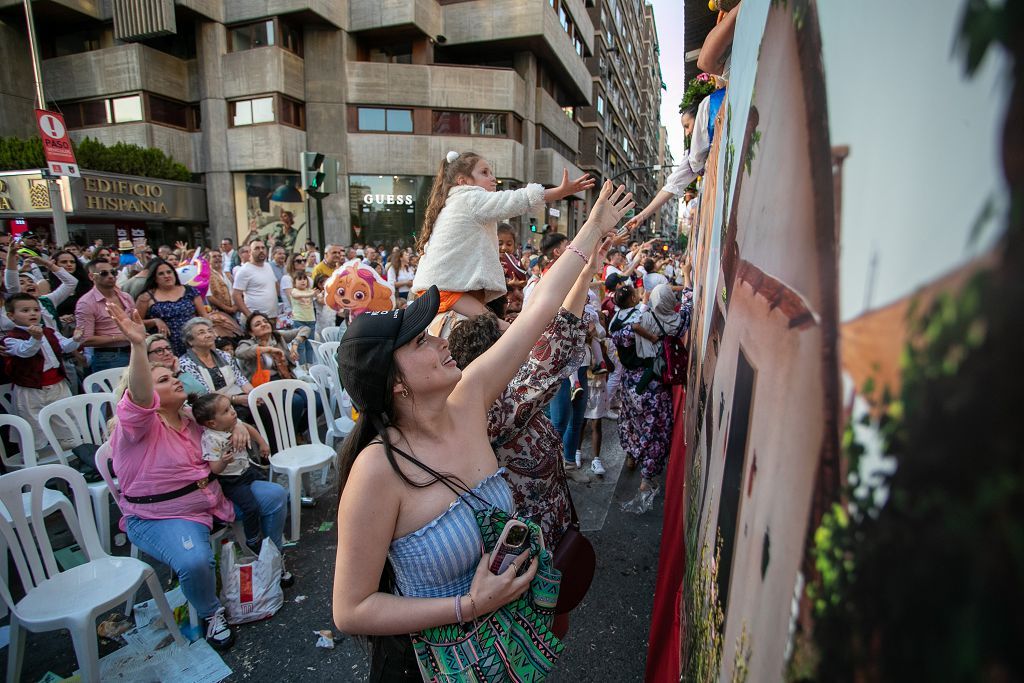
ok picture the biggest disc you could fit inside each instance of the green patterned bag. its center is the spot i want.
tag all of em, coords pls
(513, 644)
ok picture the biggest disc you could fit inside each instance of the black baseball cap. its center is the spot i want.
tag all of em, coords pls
(614, 280)
(366, 352)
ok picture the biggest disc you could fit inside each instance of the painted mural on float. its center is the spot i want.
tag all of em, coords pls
(811, 205)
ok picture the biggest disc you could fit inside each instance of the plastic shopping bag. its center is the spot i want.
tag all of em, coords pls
(250, 591)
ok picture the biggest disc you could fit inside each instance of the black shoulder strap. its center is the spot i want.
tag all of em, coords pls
(658, 323)
(452, 483)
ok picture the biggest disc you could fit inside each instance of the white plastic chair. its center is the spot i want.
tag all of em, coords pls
(104, 381)
(70, 599)
(331, 334)
(104, 456)
(292, 458)
(327, 355)
(7, 398)
(85, 416)
(53, 500)
(339, 424)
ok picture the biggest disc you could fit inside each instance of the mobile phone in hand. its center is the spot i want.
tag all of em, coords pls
(514, 540)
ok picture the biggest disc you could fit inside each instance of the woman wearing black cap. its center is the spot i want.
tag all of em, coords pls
(422, 425)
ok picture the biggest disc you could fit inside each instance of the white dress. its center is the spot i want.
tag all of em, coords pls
(462, 252)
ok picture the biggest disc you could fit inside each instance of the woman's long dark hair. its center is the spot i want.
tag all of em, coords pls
(154, 266)
(273, 332)
(67, 307)
(375, 427)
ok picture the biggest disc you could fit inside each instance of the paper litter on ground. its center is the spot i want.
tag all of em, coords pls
(195, 663)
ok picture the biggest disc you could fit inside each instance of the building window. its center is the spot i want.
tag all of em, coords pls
(293, 112)
(104, 111)
(600, 105)
(470, 123)
(129, 109)
(263, 34)
(546, 140)
(169, 112)
(373, 119)
(290, 37)
(125, 109)
(249, 112)
(251, 36)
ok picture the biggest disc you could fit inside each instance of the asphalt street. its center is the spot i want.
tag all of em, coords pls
(608, 633)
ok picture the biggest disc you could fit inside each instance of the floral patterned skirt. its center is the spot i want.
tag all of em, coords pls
(645, 422)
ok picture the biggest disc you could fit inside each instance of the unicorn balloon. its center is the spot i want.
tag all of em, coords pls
(196, 273)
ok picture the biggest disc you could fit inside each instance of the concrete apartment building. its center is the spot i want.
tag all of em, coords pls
(620, 128)
(237, 89)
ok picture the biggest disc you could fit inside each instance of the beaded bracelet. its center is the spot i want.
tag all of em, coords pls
(458, 609)
(572, 247)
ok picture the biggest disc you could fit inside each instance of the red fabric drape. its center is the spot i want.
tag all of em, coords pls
(663, 642)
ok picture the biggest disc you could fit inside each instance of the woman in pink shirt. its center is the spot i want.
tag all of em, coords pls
(167, 497)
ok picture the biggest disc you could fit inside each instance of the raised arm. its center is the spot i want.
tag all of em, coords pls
(140, 378)
(485, 378)
(12, 280)
(718, 44)
(567, 187)
(577, 298)
(68, 283)
(494, 206)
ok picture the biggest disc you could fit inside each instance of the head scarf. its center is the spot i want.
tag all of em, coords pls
(662, 309)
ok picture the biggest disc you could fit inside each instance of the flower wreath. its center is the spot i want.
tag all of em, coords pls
(699, 88)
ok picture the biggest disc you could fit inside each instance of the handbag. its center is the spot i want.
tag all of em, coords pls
(514, 643)
(262, 374)
(575, 558)
(675, 357)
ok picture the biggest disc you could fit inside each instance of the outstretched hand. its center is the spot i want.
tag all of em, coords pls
(581, 184)
(636, 221)
(132, 328)
(610, 207)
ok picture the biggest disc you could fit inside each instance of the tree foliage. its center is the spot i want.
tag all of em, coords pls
(18, 154)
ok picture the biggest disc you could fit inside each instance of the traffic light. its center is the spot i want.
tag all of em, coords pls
(319, 173)
(533, 225)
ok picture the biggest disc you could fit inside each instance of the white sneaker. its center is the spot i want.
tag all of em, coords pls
(596, 467)
(579, 458)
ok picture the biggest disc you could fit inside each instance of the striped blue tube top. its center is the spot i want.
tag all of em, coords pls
(439, 559)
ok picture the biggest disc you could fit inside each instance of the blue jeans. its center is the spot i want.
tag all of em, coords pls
(567, 415)
(104, 360)
(306, 355)
(184, 545)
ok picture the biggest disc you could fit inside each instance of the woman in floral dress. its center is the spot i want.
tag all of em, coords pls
(645, 418)
(165, 299)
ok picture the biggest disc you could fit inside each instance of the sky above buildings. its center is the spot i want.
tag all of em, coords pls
(668, 14)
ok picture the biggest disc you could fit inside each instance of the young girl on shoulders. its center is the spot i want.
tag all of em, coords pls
(459, 242)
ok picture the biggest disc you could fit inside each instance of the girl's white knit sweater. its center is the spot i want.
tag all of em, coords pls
(462, 252)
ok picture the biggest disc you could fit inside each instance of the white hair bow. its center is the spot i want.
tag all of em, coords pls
(451, 157)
